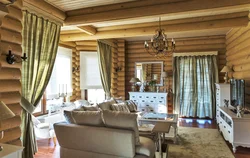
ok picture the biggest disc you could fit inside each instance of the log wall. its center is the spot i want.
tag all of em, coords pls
(237, 55)
(135, 53)
(10, 75)
(118, 76)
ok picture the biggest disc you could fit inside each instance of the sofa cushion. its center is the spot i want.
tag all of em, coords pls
(68, 116)
(120, 107)
(90, 108)
(91, 118)
(122, 120)
(106, 105)
(131, 105)
(147, 147)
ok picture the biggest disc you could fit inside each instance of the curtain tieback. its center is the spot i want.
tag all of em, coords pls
(27, 106)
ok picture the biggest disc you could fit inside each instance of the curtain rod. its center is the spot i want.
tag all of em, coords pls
(195, 53)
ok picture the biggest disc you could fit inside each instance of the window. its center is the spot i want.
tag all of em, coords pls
(90, 77)
(60, 80)
(61, 77)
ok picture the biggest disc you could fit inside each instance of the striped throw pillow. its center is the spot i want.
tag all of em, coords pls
(119, 107)
(131, 105)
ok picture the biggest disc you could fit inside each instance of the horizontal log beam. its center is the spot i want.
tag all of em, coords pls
(176, 8)
(90, 30)
(175, 28)
(42, 7)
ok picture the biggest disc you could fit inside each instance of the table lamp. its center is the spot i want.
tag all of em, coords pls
(5, 113)
(226, 69)
(134, 80)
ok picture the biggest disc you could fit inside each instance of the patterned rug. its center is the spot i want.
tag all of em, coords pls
(199, 143)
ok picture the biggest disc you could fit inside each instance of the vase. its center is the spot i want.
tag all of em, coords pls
(153, 88)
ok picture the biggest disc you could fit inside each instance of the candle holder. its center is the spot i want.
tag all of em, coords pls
(63, 95)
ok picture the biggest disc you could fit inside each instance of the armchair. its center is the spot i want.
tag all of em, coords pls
(43, 130)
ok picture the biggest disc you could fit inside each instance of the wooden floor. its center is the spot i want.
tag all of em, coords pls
(46, 148)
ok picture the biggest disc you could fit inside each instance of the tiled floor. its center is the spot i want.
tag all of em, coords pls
(47, 150)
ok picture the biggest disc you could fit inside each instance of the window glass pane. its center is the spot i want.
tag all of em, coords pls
(38, 108)
(61, 77)
(89, 71)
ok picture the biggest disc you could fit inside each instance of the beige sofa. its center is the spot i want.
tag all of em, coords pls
(81, 141)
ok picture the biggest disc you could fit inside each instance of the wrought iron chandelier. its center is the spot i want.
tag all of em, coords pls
(160, 46)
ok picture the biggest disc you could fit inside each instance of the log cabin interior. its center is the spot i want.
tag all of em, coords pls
(197, 27)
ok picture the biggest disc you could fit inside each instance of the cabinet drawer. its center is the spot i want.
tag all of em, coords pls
(161, 101)
(162, 97)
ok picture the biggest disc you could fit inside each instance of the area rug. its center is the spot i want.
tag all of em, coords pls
(199, 143)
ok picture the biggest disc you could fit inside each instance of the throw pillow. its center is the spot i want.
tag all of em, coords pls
(90, 108)
(122, 120)
(131, 105)
(91, 118)
(106, 105)
(68, 117)
(120, 107)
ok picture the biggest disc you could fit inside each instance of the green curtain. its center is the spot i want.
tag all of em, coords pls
(40, 42)
(194, 85)
(104, 53)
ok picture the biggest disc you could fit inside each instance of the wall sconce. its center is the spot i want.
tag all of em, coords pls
(75, 69)
(11, 58)
(119, 67)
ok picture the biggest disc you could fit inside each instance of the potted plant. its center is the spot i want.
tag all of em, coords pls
(152, 85)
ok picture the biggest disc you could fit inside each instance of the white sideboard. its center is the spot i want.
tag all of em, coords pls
(235, 130)
(11, 151)
(150, 101)
(222, 92)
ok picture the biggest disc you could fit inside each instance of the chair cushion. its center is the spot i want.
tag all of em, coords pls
(122, 120)
(147, 147)
(120, 107)
(106, 105)
(131, 105)
(91, 118)
(43, 125)
(68, 116)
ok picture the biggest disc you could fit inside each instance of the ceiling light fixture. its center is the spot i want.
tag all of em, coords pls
(160, 46)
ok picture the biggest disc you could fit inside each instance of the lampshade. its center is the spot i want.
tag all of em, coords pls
(226, 69)
(155, 76)
(5, 112)
(164, 74)
(134, 80)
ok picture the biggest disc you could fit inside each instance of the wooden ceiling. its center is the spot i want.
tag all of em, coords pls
(138, 19)
(66, 5)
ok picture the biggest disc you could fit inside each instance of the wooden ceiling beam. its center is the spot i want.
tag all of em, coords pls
(176, 8)
(44, 8)
(90, 30)
(86, 43)
(126, 5)
(178, 21)
(173, 28)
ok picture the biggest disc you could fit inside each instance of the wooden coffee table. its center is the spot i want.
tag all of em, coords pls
(153, 118)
